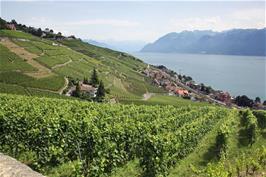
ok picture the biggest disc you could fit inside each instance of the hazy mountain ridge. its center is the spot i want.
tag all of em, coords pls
(99, 44)
(124, 46)
(231, 42)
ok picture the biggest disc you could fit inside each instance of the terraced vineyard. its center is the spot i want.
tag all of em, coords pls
(30, 62)
(69, 137)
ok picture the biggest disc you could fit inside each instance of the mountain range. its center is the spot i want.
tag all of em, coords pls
(230, 42)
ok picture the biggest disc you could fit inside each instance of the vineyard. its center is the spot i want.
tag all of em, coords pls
(48, 62)
(47, 133)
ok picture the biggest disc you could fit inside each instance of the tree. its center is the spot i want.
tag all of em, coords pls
(244, 101)
(39, 32)
(14, 22)
(100, 94)
(58, 35)
(257, 100)
(264, 103)
(85, 80)
(2, 24)
(94, 78)
(77, 92)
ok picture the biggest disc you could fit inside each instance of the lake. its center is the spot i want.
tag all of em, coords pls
(239, 75)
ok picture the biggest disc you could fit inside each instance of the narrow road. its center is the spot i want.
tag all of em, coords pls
(61, 65)
(64, 87)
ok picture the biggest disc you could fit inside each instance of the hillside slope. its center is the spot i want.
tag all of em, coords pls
(33, 66)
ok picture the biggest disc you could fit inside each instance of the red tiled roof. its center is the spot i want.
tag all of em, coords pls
(181, 92)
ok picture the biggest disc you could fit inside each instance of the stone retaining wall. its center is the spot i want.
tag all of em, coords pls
(10, 167)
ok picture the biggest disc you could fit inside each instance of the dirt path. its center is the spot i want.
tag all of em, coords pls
(64, 87)
(10, 167)
(29, 58)
(61, 65)
(147, 96)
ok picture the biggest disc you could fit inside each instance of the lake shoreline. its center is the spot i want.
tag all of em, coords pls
(239, 75)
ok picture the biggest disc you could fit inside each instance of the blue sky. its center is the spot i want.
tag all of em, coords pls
(135, 20)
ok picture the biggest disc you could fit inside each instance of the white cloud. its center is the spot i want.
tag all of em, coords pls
(247, 18)
(110, 22)
(196, 23)
(249, 14)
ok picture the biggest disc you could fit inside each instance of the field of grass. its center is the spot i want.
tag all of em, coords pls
(52, 83)
(42, 93)
(21, 90)
(164, 99)
(12, 62)
(17, 34)
(12, 89)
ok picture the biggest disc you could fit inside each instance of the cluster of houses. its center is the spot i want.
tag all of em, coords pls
(177, 86)
(11, 26)
(49, 33)
(220, 95)
(166, 81)
(46, 33)
(84, 88)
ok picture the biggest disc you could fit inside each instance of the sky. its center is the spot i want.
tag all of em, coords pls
(134, 20)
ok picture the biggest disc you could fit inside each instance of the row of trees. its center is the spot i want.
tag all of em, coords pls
(245, 101)
(47, 33)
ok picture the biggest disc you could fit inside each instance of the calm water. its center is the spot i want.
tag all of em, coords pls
(239, 75)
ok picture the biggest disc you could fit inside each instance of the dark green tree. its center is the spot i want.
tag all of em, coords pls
(100, 94)
(39, 32)
(244, 101)
(94, 78)
(257, 100)
(2, 24)
(85, 80)
(14, 22)
(77, 92)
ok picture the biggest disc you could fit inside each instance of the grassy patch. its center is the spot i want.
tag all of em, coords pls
(11, 62)
(160, 99)
(50, 83)
(12, 89)
(17, 34)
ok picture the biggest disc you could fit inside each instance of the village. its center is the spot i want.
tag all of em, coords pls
(184, 86)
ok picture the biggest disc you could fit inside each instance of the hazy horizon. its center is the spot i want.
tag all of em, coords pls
(134, 21)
